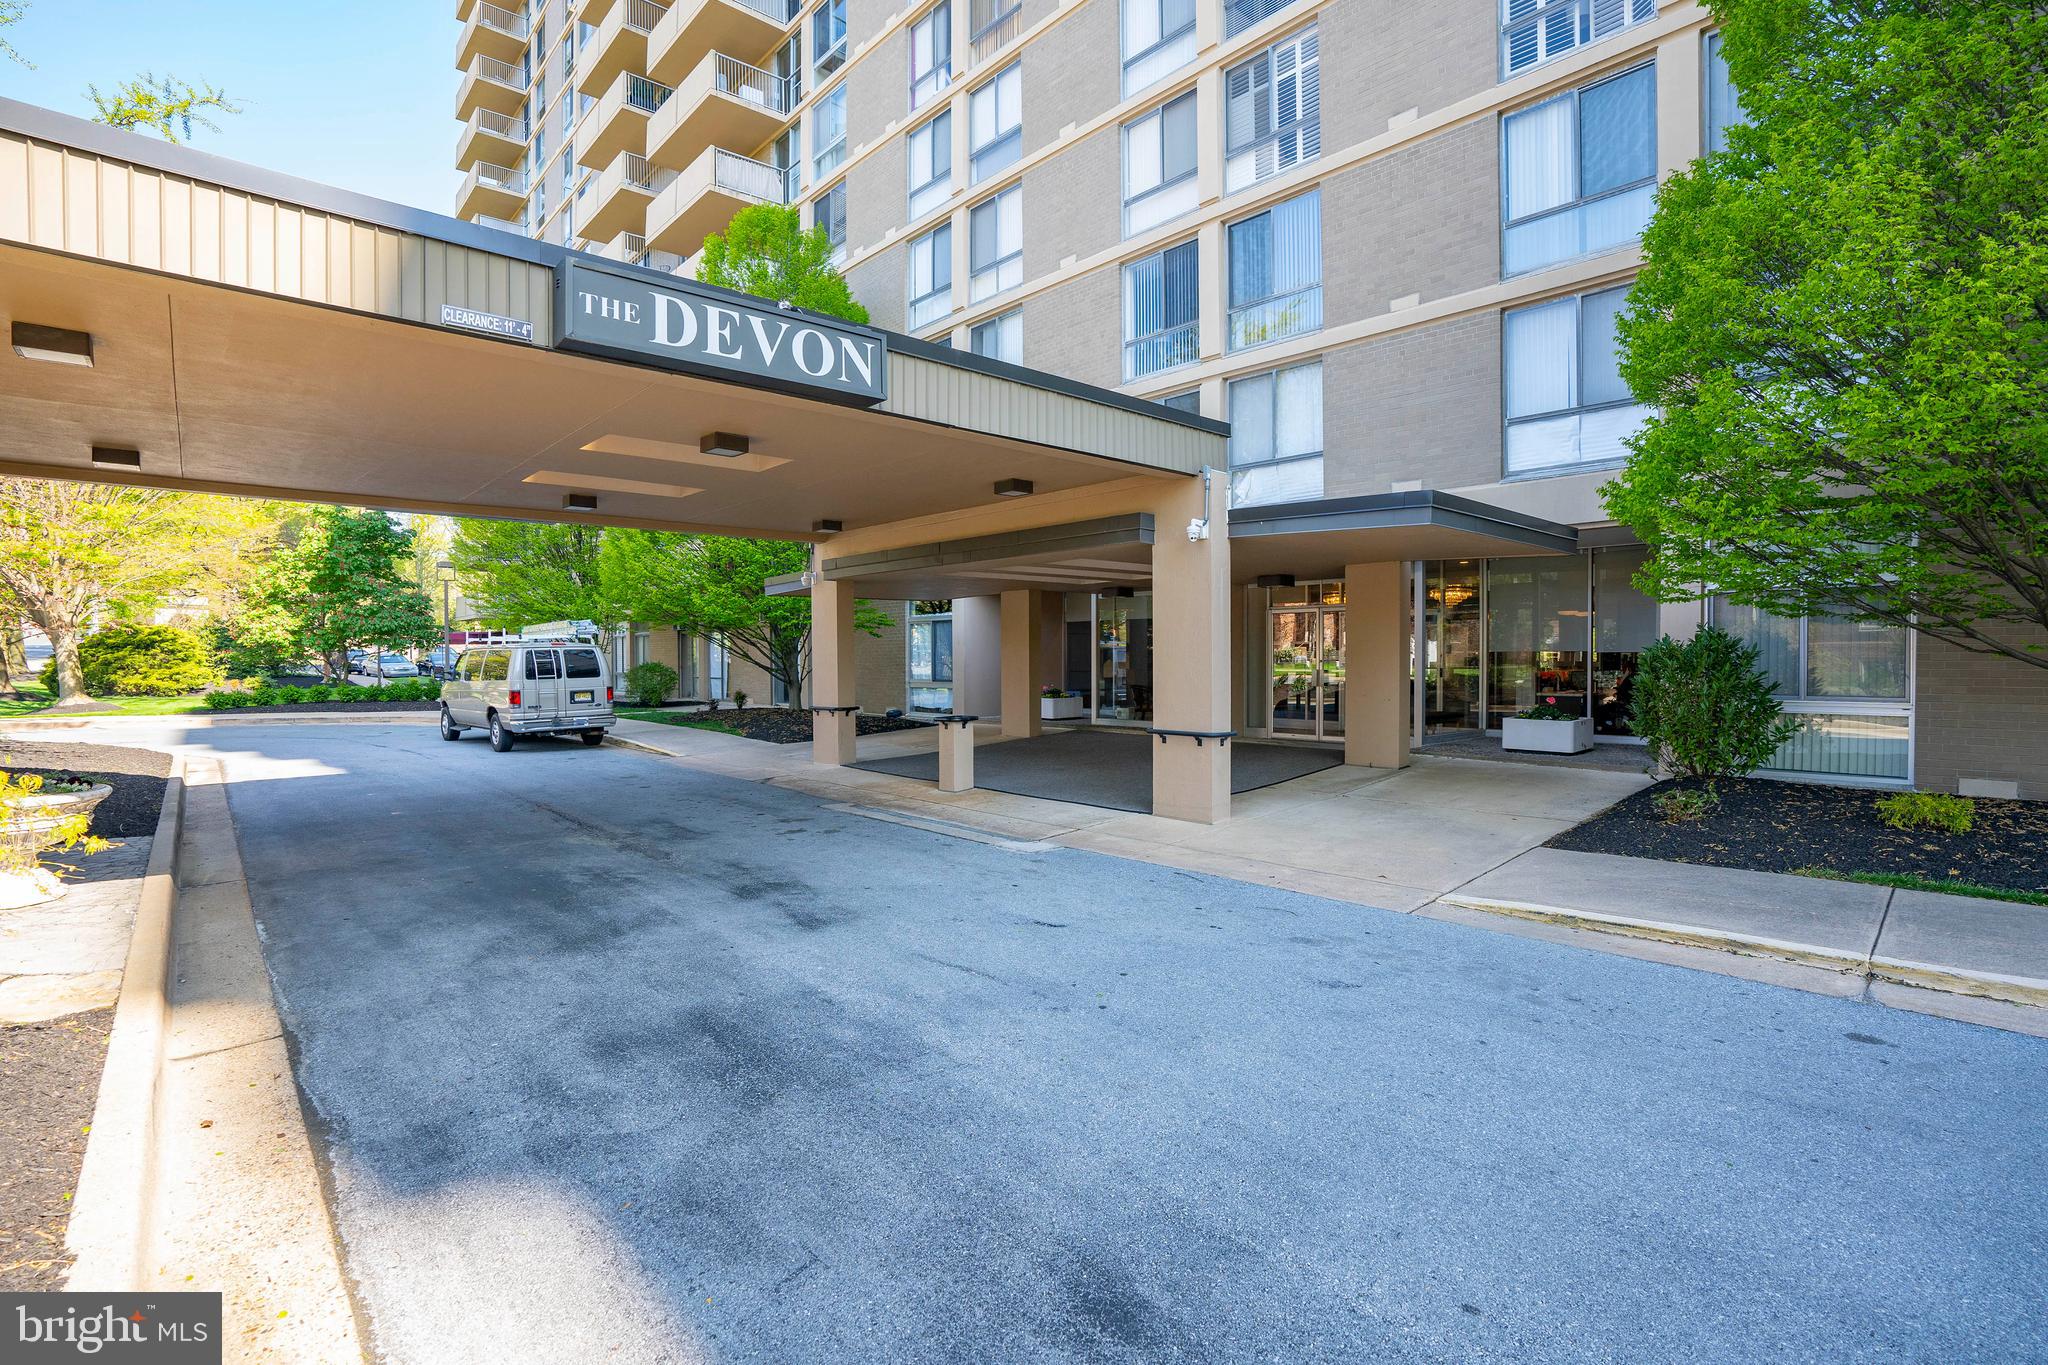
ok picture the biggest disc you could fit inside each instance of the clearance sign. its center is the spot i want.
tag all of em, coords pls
(682, 325)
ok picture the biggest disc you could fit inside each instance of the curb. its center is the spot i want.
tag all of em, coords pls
(110, 1211)
(1953, 980)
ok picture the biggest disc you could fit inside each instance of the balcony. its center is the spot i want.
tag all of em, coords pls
(618, 122)
(703, 198)
(619, 195)
(618, 44)
(491, 32)
(630, 248)
(493, 191)
(723, 103)
(693, 30)
(591, 12)
(490, 136)
(488, 83)
(484, 220)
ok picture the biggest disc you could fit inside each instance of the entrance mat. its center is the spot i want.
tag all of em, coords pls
(1107, 768)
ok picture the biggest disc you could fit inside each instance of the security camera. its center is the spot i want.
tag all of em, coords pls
(1198, 529)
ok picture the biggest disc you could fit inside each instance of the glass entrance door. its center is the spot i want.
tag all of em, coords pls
(1308, 672)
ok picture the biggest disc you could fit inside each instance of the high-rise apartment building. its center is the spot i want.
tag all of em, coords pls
(1387, 243)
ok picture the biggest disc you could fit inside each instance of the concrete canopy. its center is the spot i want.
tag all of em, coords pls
(1087, 556)
(1319, 539)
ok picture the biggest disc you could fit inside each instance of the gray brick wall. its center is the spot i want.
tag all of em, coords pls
(1424, 220)
(880, 662)
(1381, 58)
(877, 194)
(879, 283)
(1422, 404)
(1071, 74)
(1980, 716)
(1076, 329)
(877, 87)
(1073, 204)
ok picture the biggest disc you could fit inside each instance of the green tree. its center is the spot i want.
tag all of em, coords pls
(1843, 322)
(168, 106)
(766, 251)
(75, 554)
(340, 582)
(717, 585)
(519, 573)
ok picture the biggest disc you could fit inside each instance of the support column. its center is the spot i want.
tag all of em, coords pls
(1191, 652)
(1023, 660)
(1377, 646)
(956, 754)
(832, 672)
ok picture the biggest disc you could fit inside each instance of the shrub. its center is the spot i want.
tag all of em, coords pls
(1704, 709)
(227, 701)
(1928, 810)
(1549, 710)
(1680, 804)
(141, 661)
(739, 700)
(650, 683)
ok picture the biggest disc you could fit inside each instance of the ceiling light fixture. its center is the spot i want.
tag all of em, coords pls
(58, 345)
(1276, 580)
(116, 457)
(1013, 488)
(726, 443)
(579, 502)
(828, 526)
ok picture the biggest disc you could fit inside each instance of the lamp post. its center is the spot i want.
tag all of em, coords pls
(446, 567)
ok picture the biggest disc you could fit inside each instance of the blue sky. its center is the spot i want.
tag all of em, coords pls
(356, 93)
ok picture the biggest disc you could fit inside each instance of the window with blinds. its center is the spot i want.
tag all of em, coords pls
(1534, 31)
(995, 244)
(829, 213)
(1272, 111)
(1162, 310)
(1581, 172)
(995, 122)
(931, 164)
(1000, 338)
(931, 276)
(1239, 15)
(1567, 407)
(1276, 273)
(1159, 165)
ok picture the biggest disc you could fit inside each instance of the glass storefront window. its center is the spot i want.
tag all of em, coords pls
(1855, 659)
(1123, 658)
(1624, 623)
(931, 657)
(1537, 634)
(1847, 684)
(1450, 677)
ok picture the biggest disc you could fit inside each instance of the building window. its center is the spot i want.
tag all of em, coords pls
(994, 23)
(1847, 684)
(1272, 111)
(931, 54)
(931, 276)
(787, 157)
(1534, 31)
(829, 213)
(1276, 273)
(828, 37)
(995, 244)
(1723, 104)
(1276, 436)
(931, 656)
(931, 165)
(1000, 338)
(995, 122)
(1189, 402)
(1159, 39)
(1581, 172)
(1566, 405)
(1162, 310)
(1159, 165)
(1239, 15)
(828, 132)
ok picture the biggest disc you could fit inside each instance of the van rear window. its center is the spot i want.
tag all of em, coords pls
(581, 663)
(540, 663)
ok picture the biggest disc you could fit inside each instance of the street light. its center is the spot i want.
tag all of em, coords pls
(447, 569)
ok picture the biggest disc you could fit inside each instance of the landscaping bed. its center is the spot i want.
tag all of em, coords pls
(774, 724)
(138, 777)
(328, 707)
(49, 1081)
(1768, 826)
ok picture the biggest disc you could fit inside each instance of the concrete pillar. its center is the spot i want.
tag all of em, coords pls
(1377, 647)
(833, 675)
(978, 656)
(1679, 82)
(956, 756)
(1052, 641)
(1191, 651)
(1023, 646)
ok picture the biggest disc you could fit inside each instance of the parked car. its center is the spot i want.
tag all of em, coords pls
(358, 660)
(439, 662)
(529, 687)
(393, 666)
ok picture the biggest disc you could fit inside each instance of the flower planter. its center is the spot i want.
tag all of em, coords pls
(27, 832)
(1547, 736)
(1062, 708)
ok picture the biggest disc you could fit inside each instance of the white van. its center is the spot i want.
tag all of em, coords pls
(529, 687)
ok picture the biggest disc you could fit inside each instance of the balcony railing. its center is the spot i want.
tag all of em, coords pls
(503, 73)
(499, 224)
(642, 15)
(1275, 319)
(744, 175)
(510, 127)
(487, 176)
(644, 94)
(1162, 350)
(503, 20)
(750, 83)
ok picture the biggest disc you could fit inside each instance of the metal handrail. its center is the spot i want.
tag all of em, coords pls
(744, 175)
(498, 177)
(745, 81)
(492, 69)
(503, 20)
(644, 94)
(509, 126)
(642, 15)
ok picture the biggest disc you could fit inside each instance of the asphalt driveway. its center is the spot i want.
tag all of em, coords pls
(621, 1061)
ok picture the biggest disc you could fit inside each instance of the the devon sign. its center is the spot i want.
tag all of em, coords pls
(685, 327)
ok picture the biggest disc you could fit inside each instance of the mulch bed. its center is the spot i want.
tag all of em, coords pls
(1770, 826)
(49, 1079)
(138, 777)
(778, 725)
(326, 706)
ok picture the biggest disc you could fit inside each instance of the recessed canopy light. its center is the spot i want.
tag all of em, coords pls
(1013, 488)
(726, 443)
(1276, 580)
(116, 457)
(58, 345)
(579, 502)
(828, 526)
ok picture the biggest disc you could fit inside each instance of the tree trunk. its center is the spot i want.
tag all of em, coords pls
(70, 675)
(9, 668)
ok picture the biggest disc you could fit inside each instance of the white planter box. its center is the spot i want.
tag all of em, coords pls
(1547, 736)
(1062, 708)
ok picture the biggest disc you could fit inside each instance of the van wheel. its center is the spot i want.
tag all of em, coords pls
(449, 729)
(593, 738)
(501, 738)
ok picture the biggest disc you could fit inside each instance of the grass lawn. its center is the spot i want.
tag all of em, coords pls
(1907, 883)
(695, 720)
(35, 699)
